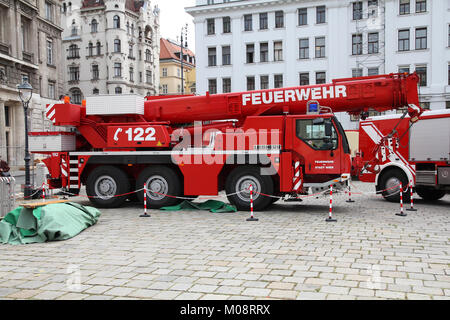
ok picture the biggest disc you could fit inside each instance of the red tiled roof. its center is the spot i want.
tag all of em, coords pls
(169, 49)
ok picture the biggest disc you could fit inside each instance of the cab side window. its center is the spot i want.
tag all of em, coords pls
(315, 134)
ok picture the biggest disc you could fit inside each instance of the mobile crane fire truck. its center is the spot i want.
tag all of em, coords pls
(419, 154)
(282, 142)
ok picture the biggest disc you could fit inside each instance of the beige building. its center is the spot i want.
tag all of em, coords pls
(30, 48)
(170, 68)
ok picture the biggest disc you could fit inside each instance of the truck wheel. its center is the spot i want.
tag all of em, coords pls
(161, 182)
(389, 180)
(104, 183)
(430, 194)
(238, 188)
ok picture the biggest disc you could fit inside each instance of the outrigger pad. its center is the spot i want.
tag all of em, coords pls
(210, 205)
(52, 222)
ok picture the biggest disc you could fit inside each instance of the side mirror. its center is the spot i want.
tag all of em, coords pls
(328, 129)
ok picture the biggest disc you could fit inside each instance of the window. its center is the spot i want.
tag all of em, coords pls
(302, 17)
(99, 48)
(357, 73)
(76, 96)
(49, 51)
(314, 134)
(148, 77)
(422, 73)
(51, 90)
(117, 69)
(320, 77)
(95, 91)
(74, 52)
(404, 7)
(373, 46)
(116, 22)
(94, 25)
(48, 11)
(279, 19)
(425, 105)
(226, 55)
(178, 72)
(264, 52)
(250, 53)
(212, 86)
(118, 90)
(131, 74)
(211, 26)
(226, 24)
(303, 49)
(372, 10)
(148, 55)
(164, 72)
(447, 104)
(95, 72)
(263, 21)
(212, 57)
(165, 89)
(248, 22)
(320, 14)
(117, 45)
(264, 82)
(421, 38)
(226, 85)
(372, 71)
(320, 47)
(278, 51)
(130, 51)
(403, 40)
(278, 81)
(356, 44)
(250, 83)
(304, 78)
(403, 69)
(90, 49)
(421, 6)
(7, 117)
(449, 74)
(74, 73)
(357, 10)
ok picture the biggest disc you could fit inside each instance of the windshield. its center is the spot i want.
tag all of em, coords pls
(315, 134)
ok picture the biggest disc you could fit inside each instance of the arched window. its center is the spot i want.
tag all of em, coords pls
(76, 95)
(90, 49)
(117, 45)
(94, 25)
(118, 90)
(99, 48)
(116, 22)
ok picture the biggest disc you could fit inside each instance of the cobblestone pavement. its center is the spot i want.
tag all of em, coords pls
(290, 253)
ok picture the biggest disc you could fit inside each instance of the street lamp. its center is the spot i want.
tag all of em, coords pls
(183, 32)
(25, 93)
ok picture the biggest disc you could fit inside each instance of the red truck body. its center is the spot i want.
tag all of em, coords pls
(397, 162)
(280, 141)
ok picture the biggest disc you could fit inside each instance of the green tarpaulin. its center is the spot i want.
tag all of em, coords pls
(211, 205)
(53, 222)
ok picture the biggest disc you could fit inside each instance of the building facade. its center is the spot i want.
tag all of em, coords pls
(259, 44)
(170, 69)
(110, 47)
(30, 48)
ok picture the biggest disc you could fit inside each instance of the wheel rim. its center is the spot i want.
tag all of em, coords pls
(157, 187)
(392, 186)
(243, 188)
(105, 187)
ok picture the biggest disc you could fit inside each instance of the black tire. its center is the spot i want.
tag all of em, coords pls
(239, 179)
(430, 194)
(164, 181)
(105, 181)
(391, 178)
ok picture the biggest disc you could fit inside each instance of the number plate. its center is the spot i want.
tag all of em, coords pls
(137, 136)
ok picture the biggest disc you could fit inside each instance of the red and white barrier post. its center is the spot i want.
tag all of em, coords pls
(412, 197)
(252, 218)
(330, 214)
(402, 213)
(349, 194)
(43, 192)
(145, 215)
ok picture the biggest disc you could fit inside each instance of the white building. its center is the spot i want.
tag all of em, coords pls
(256, 44)
(110, 47)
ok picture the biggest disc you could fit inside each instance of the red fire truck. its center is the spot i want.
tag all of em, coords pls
(419, 154)
(283, 142)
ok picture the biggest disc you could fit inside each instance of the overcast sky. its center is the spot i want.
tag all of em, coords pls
(173, 18)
